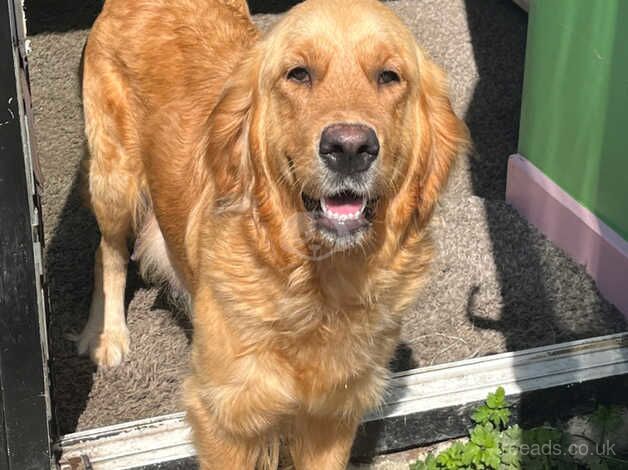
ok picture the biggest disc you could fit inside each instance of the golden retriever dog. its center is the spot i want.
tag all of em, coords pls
(284, 182)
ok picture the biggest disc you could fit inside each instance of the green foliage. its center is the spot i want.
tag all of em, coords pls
(606, 419)
(495, 445)
(494, 411)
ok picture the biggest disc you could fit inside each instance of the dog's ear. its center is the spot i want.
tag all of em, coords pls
(442, 135)
(228, 129)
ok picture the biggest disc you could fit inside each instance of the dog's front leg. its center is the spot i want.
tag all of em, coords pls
(218, 447)
(217, 450)
(322, 442)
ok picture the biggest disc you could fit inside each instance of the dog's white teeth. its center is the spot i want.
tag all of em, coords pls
(331, 214)
(342, 217)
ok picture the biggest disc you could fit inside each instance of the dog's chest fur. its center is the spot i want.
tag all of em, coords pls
(325, 330)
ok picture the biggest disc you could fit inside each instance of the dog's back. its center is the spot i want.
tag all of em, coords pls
(159, 48)
(153, 71)
(142, 59)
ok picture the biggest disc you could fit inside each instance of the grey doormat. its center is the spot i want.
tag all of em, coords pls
(497, 284)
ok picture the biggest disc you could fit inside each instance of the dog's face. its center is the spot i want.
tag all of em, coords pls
(350, 122)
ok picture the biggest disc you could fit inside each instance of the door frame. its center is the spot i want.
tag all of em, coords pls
(25, 410)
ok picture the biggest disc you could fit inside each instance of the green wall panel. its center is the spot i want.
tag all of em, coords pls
(574, 118)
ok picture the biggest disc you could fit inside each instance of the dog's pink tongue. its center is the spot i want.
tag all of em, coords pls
(343, 205)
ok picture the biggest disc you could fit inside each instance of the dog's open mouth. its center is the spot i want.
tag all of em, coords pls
(341, 216)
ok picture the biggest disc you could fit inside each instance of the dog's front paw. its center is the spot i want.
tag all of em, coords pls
(106, 348)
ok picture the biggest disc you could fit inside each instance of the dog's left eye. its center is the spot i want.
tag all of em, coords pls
(299, 75)
(387, 76)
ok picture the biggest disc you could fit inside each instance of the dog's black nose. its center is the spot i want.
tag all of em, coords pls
(348, 148)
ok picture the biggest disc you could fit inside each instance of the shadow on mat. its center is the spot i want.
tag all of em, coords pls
(531, 289)
(70, 277)
(46, 16)
(271, 6)
(69, 273)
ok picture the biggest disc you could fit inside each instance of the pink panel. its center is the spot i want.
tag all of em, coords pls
(572, 227)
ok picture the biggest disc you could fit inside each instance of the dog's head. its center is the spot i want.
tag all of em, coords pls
(337, 113)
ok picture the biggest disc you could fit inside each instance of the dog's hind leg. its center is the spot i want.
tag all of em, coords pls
(114, 187)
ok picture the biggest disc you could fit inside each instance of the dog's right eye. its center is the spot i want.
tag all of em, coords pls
(299, 75)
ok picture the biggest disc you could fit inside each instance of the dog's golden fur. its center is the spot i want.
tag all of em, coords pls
(201, 147)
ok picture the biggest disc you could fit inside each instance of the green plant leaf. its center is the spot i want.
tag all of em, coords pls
(497, 399)
(456, 451)
(472, 455)
(444, 461)
(542, 435)
(511, 457)
(512, 437)
(452, 458)
(484, 436)
(501, 417)
(428, 464)
(481, 415)
(492, 458)
(606, 419)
